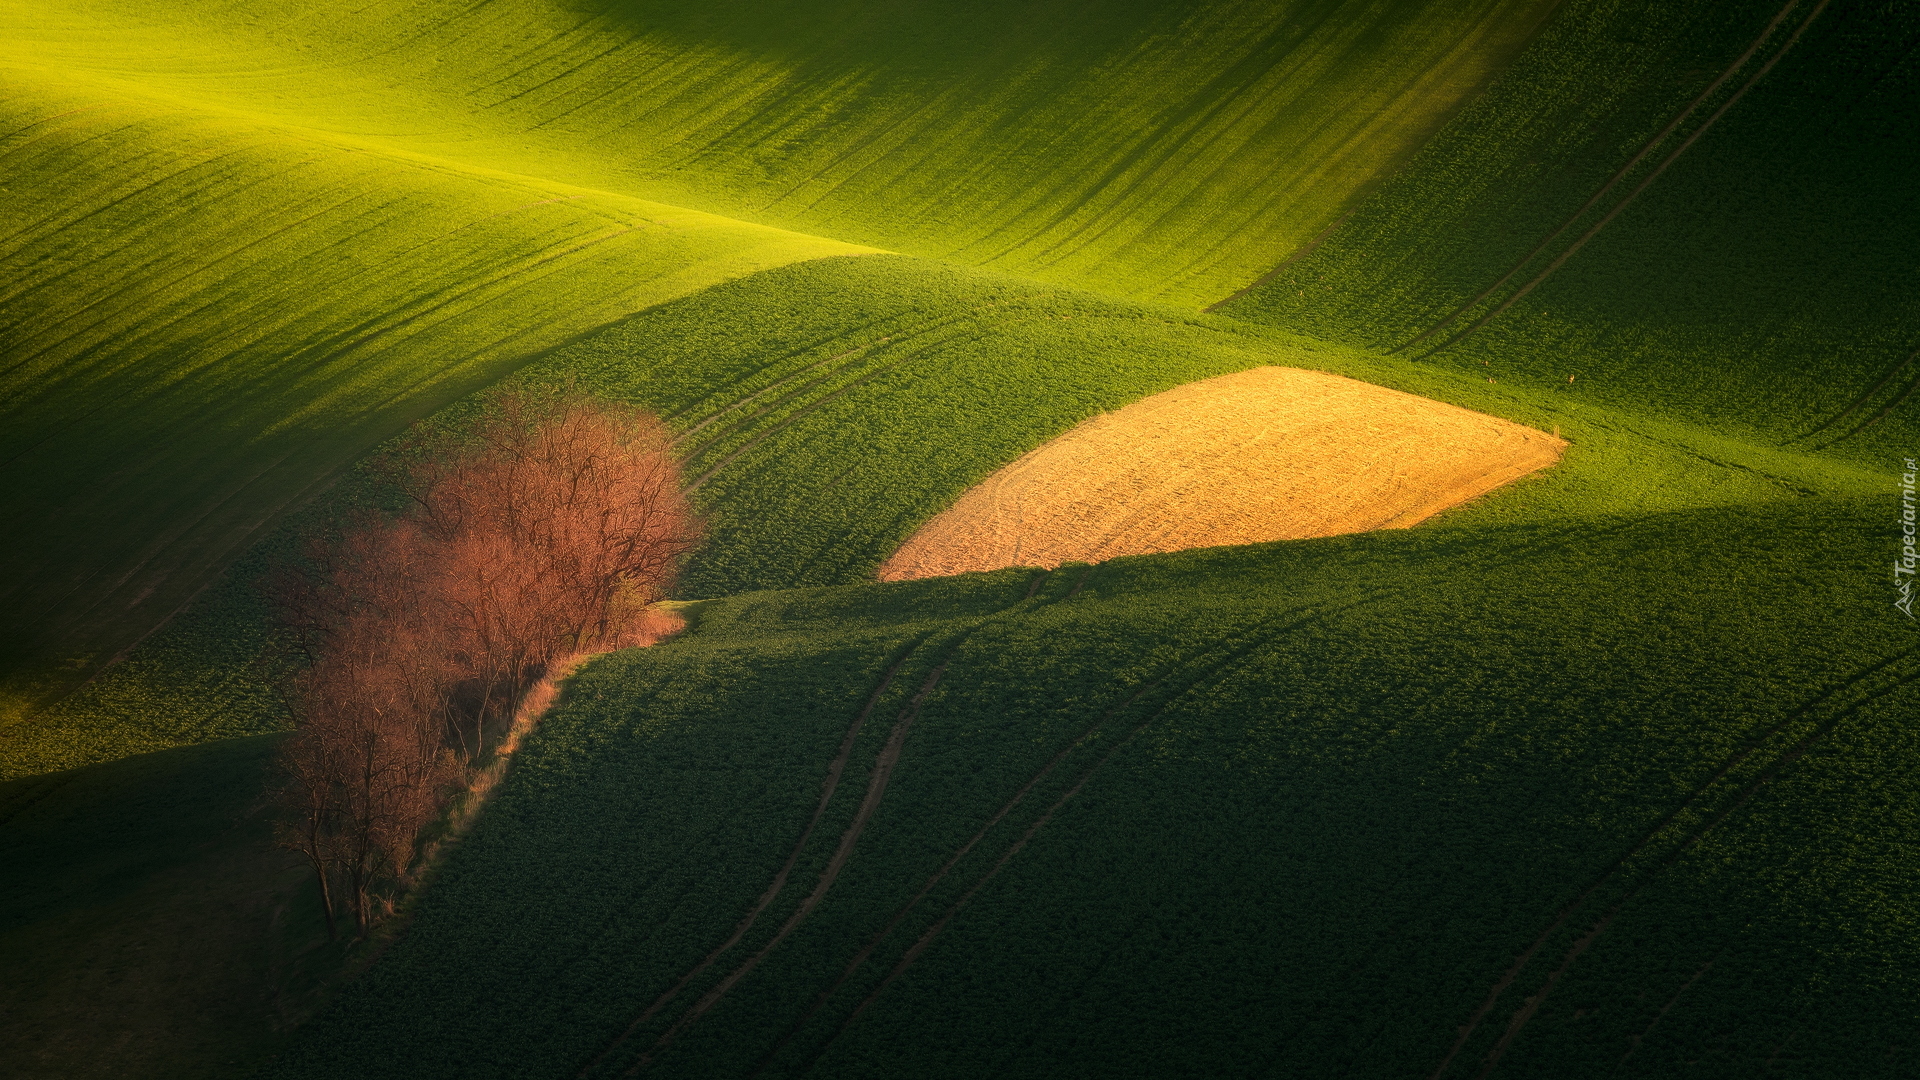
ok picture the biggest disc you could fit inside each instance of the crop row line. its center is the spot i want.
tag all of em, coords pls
(1216, 661)
(1620, 175)
(1630, 873)
(1899, 397)
(878, 781)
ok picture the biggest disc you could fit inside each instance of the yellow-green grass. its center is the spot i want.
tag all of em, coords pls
(1164, 150)
(205, 318)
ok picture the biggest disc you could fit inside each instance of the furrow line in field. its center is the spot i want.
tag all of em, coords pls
(876, 790)
(828, 786)
(28, 234)
(50, 119)
(542, 54)
(1612, 181)
(897, 337)
(616, 47)
(1216, 660)
(194, 261)
(1865, 396)
(193, 271)
(1125, 177)
(1581, 944)
(197, 262)
(846, 154)
(155, 547)
(1631, 196)
(235, 336)
(827, 341)
(1304, 250)
(878, 780)
(1898, 400)
(1625, 863)
(616, 88)
(790, 420)
(386, 323)
(1634, 1043)
(926, 939)
(327, 351)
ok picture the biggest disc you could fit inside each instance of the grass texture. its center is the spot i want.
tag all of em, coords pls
(1728, 184)
(824, 410)
(1397, 804)
(206, 319)
(1609, 773)
(150, 924)
(1158, 149)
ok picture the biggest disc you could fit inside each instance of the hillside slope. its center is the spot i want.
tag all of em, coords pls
(1397, 804)
(1153, 149)
(827, 408)
(206, 318)
(1704, 210)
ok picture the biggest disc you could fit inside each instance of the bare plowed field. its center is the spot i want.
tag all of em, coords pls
(1265, 454)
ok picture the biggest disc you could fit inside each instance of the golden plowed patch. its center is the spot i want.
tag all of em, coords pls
(1266, 454)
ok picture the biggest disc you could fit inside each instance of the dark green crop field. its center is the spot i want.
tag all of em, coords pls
(1294, 809)
(1703, 210)
(1607, 773)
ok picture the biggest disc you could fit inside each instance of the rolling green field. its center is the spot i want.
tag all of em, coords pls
(1292, 809)
(825, 409)
(283, 232)
(1757, 280)
(1609, 773)
(215, 317)
(1154, 149)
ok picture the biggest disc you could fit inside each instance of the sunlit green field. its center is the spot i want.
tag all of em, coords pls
(207, 318)
(1608, 773)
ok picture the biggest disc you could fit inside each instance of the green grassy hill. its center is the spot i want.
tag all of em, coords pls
(1608, 773)
(826, 409)
(1155, 149)
(1292, 810)
(1728, 187)
(247, 240)
(207, 318)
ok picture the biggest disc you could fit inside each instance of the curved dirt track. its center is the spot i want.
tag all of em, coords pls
(1264, 454)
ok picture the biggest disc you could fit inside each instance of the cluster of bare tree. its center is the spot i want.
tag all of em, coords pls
(541, 533)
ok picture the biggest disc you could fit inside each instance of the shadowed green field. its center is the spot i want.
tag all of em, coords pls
(1285, 810)
(1700, 210)
(150, 926)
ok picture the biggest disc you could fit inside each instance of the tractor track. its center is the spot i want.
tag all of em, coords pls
(1612, 181)
(1865, 396)
(1626, 864)
(828, 786)
(1658, 170)
(878, 781)
(1218, 659)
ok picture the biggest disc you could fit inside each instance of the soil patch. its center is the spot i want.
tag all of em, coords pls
(1265, 454)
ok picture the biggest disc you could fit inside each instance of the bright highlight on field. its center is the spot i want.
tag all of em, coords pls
(1266, 454)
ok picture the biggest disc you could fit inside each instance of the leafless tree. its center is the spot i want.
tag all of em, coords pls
(542, 532)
